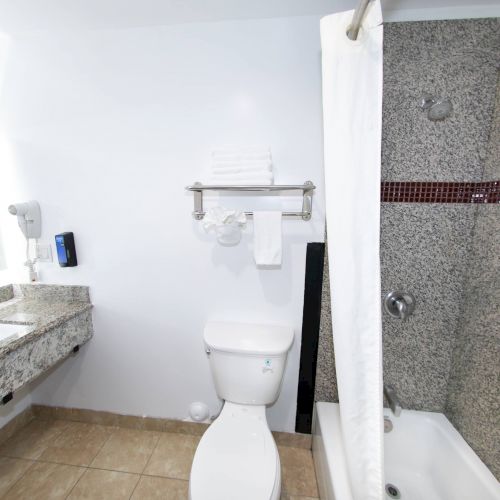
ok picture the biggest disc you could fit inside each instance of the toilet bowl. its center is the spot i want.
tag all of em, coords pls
(237, 458)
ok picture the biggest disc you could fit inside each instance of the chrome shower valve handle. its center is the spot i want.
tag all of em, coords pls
(399, 304)
(438, 108)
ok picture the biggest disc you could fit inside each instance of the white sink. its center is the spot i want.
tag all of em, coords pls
(9, 332)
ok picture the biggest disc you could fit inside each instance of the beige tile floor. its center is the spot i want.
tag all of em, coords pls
(60, 459)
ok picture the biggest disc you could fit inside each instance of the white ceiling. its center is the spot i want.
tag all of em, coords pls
(60, 14)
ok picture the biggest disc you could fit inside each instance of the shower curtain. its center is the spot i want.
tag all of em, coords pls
(352, 109)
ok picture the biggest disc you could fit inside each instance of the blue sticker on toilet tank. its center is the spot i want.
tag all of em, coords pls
(267, 362)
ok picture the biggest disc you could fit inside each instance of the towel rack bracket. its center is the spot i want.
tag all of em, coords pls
(307, 200)
(198, 213)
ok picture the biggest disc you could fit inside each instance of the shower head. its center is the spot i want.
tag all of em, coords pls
(438, 108)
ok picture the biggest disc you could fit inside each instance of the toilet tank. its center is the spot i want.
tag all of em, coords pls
(247, 361)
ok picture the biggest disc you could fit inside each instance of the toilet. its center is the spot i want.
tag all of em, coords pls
(237, 458)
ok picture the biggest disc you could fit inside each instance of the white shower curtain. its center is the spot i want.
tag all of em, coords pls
(352, 108)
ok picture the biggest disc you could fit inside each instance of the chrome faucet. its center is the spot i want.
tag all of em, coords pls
(392, 400)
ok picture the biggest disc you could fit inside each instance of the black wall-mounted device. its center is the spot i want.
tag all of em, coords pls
(66, 252)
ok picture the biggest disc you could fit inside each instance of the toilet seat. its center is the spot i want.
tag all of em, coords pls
(237, 458)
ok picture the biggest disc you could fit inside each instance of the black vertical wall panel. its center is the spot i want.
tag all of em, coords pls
(310, 336)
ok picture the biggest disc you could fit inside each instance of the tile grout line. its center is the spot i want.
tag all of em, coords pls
(145, 465)
(35, 459)
(77, 481)
(159, 477)
(150, 456)
(113, 430)
(21, 476)
(87, 467)
(94, 467)
(91, 467)
(102, 446)
(135, 487)
(166, 477)
(162, 430)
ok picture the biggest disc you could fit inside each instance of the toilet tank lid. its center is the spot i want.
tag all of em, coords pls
(248, 338)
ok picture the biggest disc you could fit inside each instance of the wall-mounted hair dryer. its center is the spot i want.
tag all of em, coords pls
(29, 218)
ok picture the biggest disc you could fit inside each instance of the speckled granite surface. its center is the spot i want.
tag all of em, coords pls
(6, 293)
(55, 319)
(41, 308)
(457, 59)
(473, 403)
(424, 250)
(52, 293)
(427, 249)
(28, 361)
(326, 380)
(492, 163)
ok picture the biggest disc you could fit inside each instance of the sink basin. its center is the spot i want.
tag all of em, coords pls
(8, 332)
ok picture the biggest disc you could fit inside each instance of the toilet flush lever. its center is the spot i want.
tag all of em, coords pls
(268, 366)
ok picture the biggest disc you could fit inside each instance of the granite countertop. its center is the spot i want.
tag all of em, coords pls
(38, 309)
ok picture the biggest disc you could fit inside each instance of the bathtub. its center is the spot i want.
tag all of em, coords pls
(425, 459)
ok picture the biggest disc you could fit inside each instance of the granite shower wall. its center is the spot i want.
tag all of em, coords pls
(426, 249)
(473, 403)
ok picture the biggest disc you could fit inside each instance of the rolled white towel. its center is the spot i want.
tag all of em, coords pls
(226, 224)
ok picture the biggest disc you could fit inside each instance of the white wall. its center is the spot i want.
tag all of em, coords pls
(105, 128)
(22, 400)
(33, 14)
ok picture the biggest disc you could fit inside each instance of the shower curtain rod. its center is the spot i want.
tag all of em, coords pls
(357, 19)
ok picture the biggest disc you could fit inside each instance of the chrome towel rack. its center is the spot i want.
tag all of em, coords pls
(307, 192)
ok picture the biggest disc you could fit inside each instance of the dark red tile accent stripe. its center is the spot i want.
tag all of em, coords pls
(440, 192)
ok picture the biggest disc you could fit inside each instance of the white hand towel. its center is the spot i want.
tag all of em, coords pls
(267, 238)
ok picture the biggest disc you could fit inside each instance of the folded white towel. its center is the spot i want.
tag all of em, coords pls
(263, 174)
(230, 167)
(267, 238)
(242, 166)
(241, 154)
(251, 180)
(242, 157)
